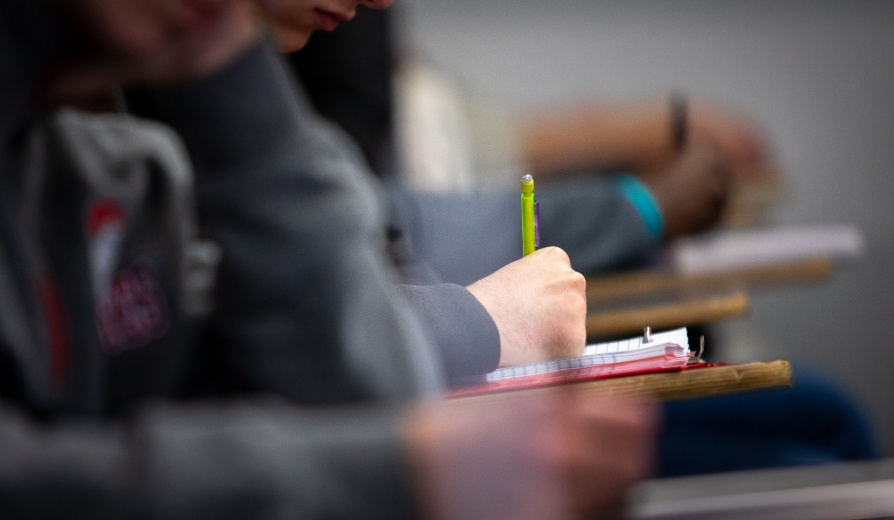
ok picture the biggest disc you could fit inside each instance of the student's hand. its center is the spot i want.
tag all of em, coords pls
(546, 456)
(539, 305)
(154, 41)
(692, 191)
(739, 140)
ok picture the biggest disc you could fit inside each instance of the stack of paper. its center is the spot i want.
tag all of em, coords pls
(665, 351)
(748, 248)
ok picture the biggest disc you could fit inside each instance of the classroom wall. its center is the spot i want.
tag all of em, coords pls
(819, 77)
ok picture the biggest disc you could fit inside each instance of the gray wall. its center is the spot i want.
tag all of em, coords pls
(818, 75)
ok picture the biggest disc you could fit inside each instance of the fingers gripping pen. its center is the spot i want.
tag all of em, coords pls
(530, 217)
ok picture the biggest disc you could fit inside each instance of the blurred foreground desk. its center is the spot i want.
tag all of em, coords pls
(852, 491)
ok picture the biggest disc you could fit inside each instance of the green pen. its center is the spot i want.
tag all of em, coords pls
(529, 217)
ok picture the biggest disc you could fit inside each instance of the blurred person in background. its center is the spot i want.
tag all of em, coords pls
(454, 160)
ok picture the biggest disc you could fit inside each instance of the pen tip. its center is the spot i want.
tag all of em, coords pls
(527, 179)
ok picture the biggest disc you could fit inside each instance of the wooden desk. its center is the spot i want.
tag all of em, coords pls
(628, 321)
(700, 382)
(673, 385)
(641, 283)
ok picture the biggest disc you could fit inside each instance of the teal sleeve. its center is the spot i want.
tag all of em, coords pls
(642, 199)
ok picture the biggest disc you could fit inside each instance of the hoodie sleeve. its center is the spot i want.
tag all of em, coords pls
(307, 304)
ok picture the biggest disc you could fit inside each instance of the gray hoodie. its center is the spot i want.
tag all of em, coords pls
(109, 408)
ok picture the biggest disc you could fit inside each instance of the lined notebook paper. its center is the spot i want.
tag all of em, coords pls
(635, 348)
(666, 350)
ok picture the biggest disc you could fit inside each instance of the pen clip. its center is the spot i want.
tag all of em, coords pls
(701, 351)
(536, 224)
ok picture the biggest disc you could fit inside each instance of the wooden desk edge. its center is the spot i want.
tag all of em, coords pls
(668, 316)
(673, 385)
(699, 382)
(645, 282)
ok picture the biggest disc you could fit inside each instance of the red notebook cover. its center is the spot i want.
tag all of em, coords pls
(573, 375)
(669, 353)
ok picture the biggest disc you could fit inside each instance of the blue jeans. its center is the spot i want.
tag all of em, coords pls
(816, 421)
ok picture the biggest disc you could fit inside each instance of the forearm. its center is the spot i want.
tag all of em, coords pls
(634, 136)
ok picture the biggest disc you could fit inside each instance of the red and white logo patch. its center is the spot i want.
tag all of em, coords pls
(131, 308)
(133, 312)
(106, 224)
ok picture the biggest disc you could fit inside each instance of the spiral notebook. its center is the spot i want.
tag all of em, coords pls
(649, 353)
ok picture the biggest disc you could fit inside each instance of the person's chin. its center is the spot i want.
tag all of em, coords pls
(292, 41)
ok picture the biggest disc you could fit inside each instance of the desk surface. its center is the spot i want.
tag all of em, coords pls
(630, 320)
(631, 285)
(669, 385)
